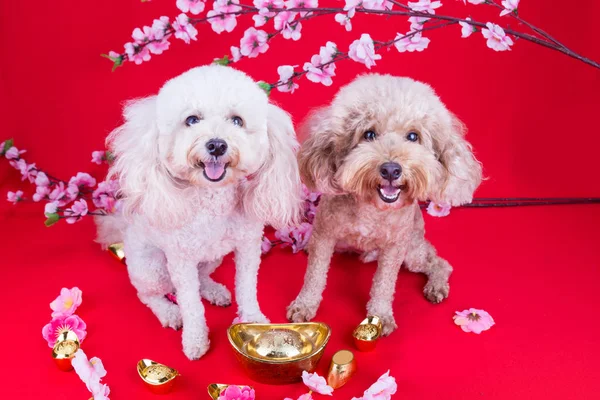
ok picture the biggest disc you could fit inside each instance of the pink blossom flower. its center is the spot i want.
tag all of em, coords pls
(283, 22)
(78, 210)
(220, 16)
(41, 192)
(377, 4)
(14, 197)
(474, 1)
(184, 30)
(83, 179)
(265, 245)
(416, 23)
(383, 389)
(97, 157)
(427, 6)
(99, 391)
(363, 51)
(159, 27)
(50, 208)
(254, 42)
(235, 53)
(159, 46)
(67, 302)
(351, 5)
(137, 54)
(496, 38)
(265, 7)
(28, 171)
(310, 196)
(473, 320)
(259, 20)
(236, 393)
(318, 73)
(286, 73)
(302, 4)
(509, 7)
(438, 210)
(60, 195)
(41, 179)
(467, 29)
(141, 36)
(411, 43)
(90, 371)
(316, 383)
(105, 195)
(13, 153)
(344, 20)
(52, 330)
(297, 237)
(193, 6)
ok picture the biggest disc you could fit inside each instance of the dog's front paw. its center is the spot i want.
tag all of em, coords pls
(299, 311)
(215, 293)
(436, 291)
(171, 317)
(195, 345)
(257, 317)
(389, 325)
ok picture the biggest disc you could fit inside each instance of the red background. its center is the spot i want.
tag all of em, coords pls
(532, 115)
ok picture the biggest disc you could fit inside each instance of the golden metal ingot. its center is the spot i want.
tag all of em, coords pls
(278, 353)
(64, 350)
(215, 389)
(367, 333)
(158, 377)
(343, 366)
(117, 250)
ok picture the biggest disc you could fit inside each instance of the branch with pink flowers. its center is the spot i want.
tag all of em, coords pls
(287, 17)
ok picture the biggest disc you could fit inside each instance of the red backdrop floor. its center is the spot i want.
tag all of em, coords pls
(532, 116)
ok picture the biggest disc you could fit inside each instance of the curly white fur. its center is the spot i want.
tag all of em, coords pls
(178, 223)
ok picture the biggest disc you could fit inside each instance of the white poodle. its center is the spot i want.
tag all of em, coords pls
(202, 167)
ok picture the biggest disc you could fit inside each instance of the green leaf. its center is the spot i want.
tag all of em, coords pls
(7, 145)
(117, 61)
(222, 61)
(266, 87)
(52, 219)
(110, 157)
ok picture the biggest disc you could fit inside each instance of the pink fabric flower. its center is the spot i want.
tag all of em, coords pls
(41, 179)
(67, 302)
(235, 53)
(259, 20)
(416, 23)
(473, 320)
(141, 36)
(265, 7)
(412, 43)
(297, 237)
(13, 153)
(427, 6)
(14, 197)
(318, 73)
(136, 53)
(509, 7)
(284, 22)
(316, 383)
(344, 20)
(60, 195)
(466, 28)
(99, 391)
(41, 192)
(236, 393)
(52, 330)
(160, 27)
(363, 51)
(438, 210)
(159, 46)
(474, 1)
(377, 4)
(286, 72)
(50, 208)
(105, 195)
(383, 389)
(302, 4)
(78, 209)
(220, 16)
(193, 6)
(496, 38)
(97, 157)
(254, 42)
(265, 245)
(351, 5)
(183, 29)
(28, 171)
(83, 179)
(89, 371)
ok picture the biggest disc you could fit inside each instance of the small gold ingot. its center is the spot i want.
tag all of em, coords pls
(367, 333)
(215, 389)
(117, 250)
(158, 377)
(343, 366)
(64, 350)
(278, 353)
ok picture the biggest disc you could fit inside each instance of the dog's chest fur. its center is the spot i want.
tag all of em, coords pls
(362, 226)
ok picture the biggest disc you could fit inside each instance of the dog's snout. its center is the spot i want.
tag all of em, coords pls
(390, 171)
(216, 147)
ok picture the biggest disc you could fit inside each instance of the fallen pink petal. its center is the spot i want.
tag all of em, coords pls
(473, 320)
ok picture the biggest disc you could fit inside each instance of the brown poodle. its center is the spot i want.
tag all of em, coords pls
(384, 144)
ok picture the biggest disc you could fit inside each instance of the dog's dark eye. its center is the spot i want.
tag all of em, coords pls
(191, 120)
(237, 121)
(370, 135)
(412, 136)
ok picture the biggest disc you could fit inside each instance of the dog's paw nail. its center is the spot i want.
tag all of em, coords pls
(297, 312)
(436, 293)
(194, 348)
(388, 324)
(217, 295)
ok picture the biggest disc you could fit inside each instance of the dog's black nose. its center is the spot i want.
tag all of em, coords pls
(216, 147)
(390, 171)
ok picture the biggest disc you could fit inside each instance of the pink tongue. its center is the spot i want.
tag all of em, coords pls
(389, 190)
(214, 170)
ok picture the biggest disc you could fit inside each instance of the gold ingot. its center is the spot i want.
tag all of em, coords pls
(215, 389)
(64, 349)
(158, 377)
(117, 250)
(278, 353)
(367, 333)
(343, 366)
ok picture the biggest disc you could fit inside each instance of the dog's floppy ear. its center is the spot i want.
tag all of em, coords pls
(145, 184)
(462, 172)
(317, 158)
(274, 194)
